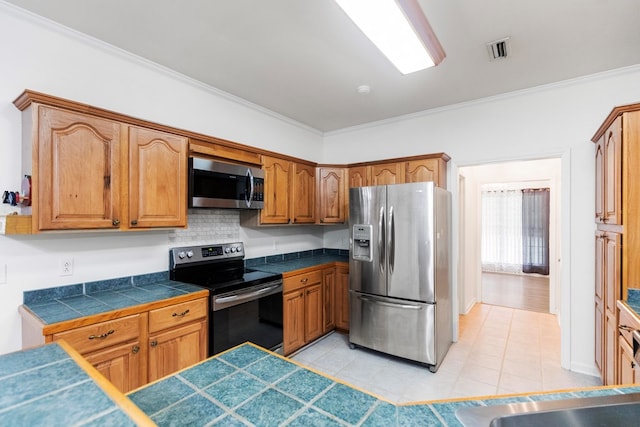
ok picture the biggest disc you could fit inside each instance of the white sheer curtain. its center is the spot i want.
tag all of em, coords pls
(501, 230)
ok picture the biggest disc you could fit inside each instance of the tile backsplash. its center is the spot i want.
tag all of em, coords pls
(208, 225)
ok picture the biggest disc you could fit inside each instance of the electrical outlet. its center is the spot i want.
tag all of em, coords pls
(66, 267)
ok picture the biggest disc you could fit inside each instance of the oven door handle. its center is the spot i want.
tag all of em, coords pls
(242, 297)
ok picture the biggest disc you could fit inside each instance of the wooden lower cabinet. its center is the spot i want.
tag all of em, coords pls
(342, 298)
(329, 298)
(177, 348)
(121, 364)
(311, 306)
(292, 321)
(626, 364)
(628, 322)
(134, 349)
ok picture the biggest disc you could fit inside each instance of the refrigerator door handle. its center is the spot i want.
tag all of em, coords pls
(382, 238)
(392, 240)
(389, 304)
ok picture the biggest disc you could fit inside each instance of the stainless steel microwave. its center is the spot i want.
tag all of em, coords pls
(214, 184)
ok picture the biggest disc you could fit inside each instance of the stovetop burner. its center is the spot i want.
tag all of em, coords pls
(218, 267)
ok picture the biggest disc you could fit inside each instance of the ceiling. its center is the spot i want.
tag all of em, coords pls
(305, 59)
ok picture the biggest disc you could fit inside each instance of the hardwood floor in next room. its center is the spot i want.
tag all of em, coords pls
(500, 351)
(522, 291)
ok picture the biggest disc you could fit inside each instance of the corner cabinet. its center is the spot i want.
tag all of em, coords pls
(93, 172)
(135, 345)
(332, 195)
(617, 218)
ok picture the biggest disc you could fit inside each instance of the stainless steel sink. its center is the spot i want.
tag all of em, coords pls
(616, 410)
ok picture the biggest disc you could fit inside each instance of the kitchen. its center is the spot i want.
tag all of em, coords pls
(559, 120)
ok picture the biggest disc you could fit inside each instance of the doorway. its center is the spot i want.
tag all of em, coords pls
(544, 173)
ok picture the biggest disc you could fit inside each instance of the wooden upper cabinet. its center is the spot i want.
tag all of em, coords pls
(427, 170)
(76, 177)
(359, 176)
(277, 184)
(387, 173)
(303, 194)
(332, 197)
(609, 175)
(157, 179)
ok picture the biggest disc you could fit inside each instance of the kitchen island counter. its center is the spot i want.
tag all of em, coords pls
(52, 385)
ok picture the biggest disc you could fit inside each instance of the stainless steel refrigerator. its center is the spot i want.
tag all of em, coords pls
(399, 265)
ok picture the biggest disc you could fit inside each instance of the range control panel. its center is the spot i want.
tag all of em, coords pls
(191, 254)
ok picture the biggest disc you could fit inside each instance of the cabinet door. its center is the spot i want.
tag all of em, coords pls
(600, 265)
(177, 348)
(293, 321)
(158, 172)
(611, 348)
(626, 363)
(78, 181)
(599, 337)
(389, 173)
(612, 283)
(342, 298)
(313, 310)
(359, 176)
(121, 365)
(329, 298)
(303, 196)
(426, 170)
(600, 181)
(333, 205)
(613, 173)
(277, 185)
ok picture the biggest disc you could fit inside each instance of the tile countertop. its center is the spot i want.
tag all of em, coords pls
(286, 263)
(70, 302)
(53, 385)
(251, 386)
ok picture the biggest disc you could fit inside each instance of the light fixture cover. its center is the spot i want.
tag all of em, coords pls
(399, 29)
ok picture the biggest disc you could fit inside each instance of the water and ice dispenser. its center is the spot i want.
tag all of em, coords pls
(362, 247)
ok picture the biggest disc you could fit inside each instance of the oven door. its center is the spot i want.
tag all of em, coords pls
(251, 314)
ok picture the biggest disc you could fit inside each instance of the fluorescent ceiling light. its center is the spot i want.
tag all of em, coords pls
(399, 29)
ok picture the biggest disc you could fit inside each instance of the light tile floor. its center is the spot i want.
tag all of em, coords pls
(500, 351)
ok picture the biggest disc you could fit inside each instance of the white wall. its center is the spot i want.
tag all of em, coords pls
(554, 121)
(45, 57)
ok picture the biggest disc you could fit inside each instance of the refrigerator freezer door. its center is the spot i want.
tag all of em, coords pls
(411, 241)
(401, 328)
(367, 208)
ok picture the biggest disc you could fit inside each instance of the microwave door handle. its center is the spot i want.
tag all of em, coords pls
(249, 184)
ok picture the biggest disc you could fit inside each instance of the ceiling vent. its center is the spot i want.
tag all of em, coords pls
(499, 49)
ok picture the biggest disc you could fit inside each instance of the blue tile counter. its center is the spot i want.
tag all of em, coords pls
(286, 263)
(251, 386)
(59, 304)
(51, 386)
(633, 300)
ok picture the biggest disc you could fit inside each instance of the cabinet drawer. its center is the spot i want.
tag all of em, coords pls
(174, 315)
(301, 280)
(628, 322)
(100, 335)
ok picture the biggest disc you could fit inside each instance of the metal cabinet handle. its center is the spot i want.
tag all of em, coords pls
(305, 280)
(134, 222)
(626, 328)
(136, 349)
(115, 222)
(154, 343)
(184, 313)
(102, 336)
